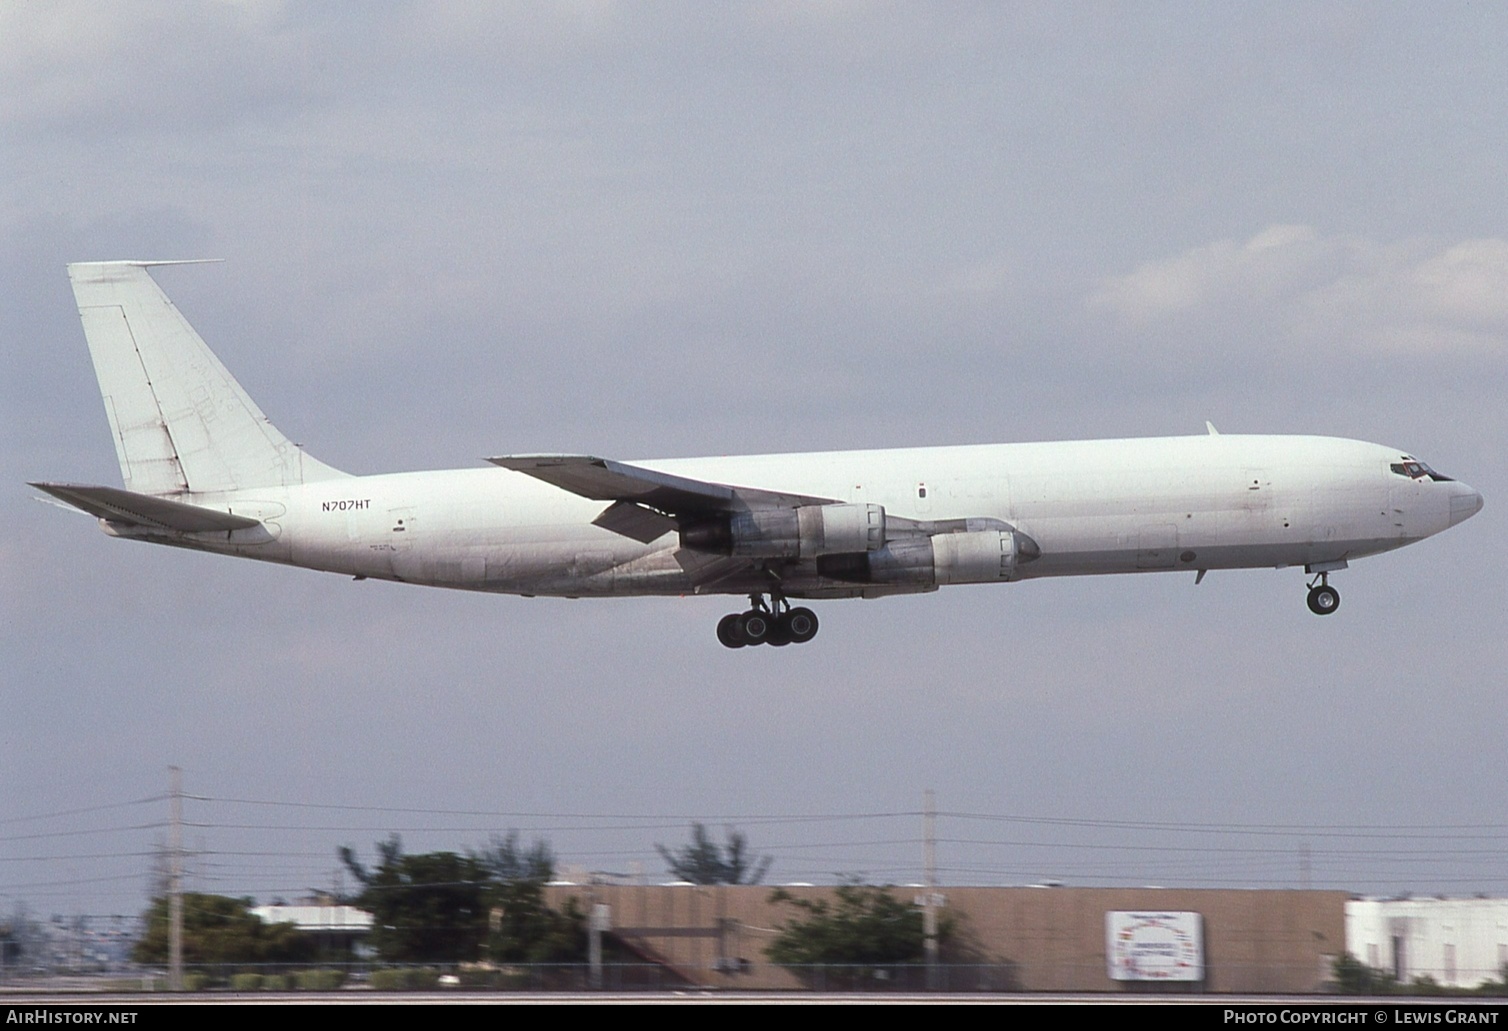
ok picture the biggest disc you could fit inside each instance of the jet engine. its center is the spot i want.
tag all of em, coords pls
(805, 532)
(981, 556)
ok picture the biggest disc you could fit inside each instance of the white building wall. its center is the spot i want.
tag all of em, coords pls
(1458, 942)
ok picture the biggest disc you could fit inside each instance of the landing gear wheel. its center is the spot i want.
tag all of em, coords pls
(769, 620)
(800, 624)
(755, 626)
(1323, 600)
(728, 632)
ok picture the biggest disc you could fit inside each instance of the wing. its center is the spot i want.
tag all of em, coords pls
(745, 539)
(646, 504)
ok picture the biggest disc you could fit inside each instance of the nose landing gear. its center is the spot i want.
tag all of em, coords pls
(773, 622)
(1323, 599)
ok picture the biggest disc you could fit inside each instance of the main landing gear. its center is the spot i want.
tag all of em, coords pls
(1323, 599)
(773, 622)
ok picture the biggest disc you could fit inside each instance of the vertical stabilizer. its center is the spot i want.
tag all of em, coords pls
(181, 422)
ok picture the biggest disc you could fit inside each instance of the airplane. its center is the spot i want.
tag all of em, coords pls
(204, 469)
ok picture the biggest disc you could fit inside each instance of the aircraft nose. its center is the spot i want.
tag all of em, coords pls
(1464, 503)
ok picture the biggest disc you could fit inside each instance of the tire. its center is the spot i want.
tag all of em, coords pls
(754, 627)
(801, 625)
(728, 633)
(780, 633)
(1323, 600)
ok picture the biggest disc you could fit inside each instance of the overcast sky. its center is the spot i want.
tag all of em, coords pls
(654, 230)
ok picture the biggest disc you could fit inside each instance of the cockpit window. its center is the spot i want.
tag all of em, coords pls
(1415, 470)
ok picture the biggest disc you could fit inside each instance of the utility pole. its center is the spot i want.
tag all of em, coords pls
(175, 882)
(929, 908)
(599, 922)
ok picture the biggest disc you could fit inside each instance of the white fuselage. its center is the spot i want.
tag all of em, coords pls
(1109, 506)
(202, 467)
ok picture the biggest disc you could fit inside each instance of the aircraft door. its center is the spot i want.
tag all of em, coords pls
(923, 495)
(403, 543)
(366, 533)
(1245, 509)
(1405, 507)
(1257, 496)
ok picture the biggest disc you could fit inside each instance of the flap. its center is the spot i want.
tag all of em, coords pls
(629, 519)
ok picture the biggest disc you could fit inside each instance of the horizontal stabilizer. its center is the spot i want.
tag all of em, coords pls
(602, 479)
(124, 506)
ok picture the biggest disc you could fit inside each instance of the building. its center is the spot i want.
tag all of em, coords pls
(1458, 943)
(339, 930)
(1022, 939)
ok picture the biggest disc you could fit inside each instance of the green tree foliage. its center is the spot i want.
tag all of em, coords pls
(445, 907)
(428, 907)
(10, 945)
(217, 929)
(705, 862)
(1498, 987)
(523, 929)
(1353, 977)
(862, 924)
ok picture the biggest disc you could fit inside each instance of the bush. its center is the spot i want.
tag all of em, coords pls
(476, 977)
(424, 979)
(1426, 985)
(321, 980)
(1353, 977)
(389, 980)
(245, 982)
(407, 979)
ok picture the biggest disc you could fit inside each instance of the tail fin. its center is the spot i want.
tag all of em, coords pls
(182, 424)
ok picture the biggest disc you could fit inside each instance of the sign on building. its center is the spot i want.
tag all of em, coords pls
(1145, 946)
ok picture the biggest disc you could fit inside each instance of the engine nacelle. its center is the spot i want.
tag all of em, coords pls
(982, 556)
(805, 532)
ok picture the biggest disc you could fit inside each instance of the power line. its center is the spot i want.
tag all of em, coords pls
(742, 820)
(75, 834)
(1342, 830)
(79, 812)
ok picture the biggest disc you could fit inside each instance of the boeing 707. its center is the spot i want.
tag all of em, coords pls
(204, 469)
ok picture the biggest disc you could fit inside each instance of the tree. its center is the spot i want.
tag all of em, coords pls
(862, 924)
(704, 862)
(217, 929)
(426, 908)
(523, 929)
(446, 907)
(10, 946)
